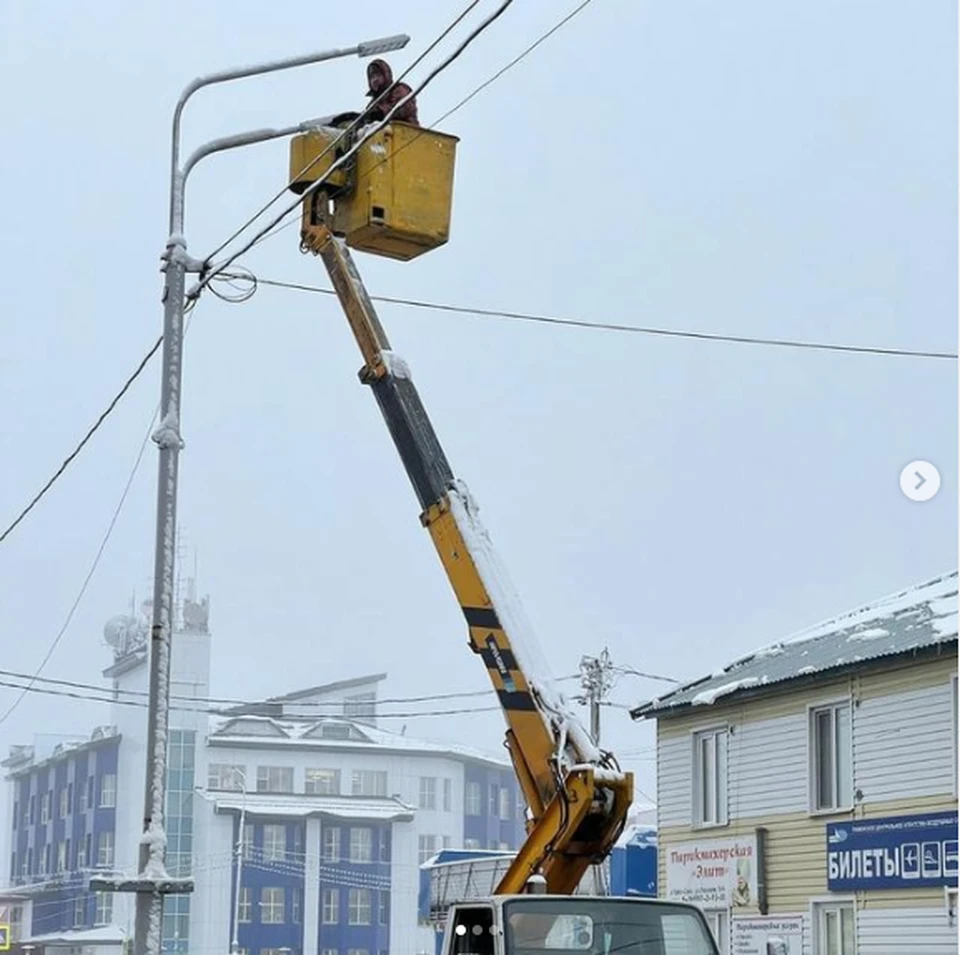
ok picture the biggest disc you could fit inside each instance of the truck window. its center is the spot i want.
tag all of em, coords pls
(572, 926)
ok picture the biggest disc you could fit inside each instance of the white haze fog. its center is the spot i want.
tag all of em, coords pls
(749, 169)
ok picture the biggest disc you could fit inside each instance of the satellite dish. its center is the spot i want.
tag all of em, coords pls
(116, 628)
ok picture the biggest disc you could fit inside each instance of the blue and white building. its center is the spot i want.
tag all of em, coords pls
(302, 822)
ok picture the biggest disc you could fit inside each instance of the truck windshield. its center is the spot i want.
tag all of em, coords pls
(590, 926)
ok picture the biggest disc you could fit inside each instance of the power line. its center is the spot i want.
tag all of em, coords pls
(614, 327)
(29, 686)
(32, 679)
(214, 271)
(272, 232)
(215, 702)
(514, 61)
(349, 128)
(213, 711)
(70, 457)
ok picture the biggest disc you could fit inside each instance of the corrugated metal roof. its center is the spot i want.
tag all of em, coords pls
(916, 619)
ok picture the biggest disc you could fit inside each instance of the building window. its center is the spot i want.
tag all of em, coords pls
(428, 792)
(225, 777)
(64, 802)
(246, 905)
(296, 906)
(79, 910)
(91, 782)
(329, 951)
(359, 907)
(274, 843)
(448, 795)
(108, 791)
(33, 809)
(321, 782)
(830, 750)
(494, 804)
(271, 906)
(88, 849)
(358, 951)
(472, 800)
(105, 849)
(471, 843)
(384, 913)
(361, 706)
(361, 845)
(710, 777)
(833, 928)
(82, 852)
(61, 856)
(46, 858)
(13, 866)
(274, 779)
(330, 906)
(104, 913)
(16, 814)
(330, 850)
(247, 841)
(45, 807)
(427, 847)
(506, 803)
(28, 863)
(369, 782)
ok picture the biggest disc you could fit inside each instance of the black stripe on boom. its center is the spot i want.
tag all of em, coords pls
(423, 458)
(484, 617)
(516, 700)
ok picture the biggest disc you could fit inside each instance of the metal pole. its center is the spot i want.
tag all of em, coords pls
(148, 922)
(235, 942)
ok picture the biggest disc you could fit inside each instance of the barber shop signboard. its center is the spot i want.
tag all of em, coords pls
(714, 873)
(895, 852)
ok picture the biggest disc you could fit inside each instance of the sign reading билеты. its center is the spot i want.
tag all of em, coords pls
(896, 852)
(713, 873)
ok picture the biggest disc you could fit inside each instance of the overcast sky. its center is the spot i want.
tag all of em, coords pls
(747, 168)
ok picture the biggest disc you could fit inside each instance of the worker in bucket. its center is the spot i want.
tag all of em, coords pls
(379, 79)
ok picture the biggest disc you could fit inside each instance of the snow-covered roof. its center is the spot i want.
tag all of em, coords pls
(296, 806)
(920, 619)
(104, 935)
(283, 733)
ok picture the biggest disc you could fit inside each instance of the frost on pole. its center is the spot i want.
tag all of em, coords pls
(523, 640)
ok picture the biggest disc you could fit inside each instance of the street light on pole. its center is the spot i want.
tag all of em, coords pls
(152, 881)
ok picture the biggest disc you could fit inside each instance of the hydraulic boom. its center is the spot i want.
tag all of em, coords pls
(576, 796)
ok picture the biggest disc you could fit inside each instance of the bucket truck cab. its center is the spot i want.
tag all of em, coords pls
(576, 925)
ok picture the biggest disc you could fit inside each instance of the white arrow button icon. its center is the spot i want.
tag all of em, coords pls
(920, 481)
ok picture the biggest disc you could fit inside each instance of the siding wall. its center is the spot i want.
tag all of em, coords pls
(903, 762)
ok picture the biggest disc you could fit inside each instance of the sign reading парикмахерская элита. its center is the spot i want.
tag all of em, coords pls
(896, 852)
(714, 873)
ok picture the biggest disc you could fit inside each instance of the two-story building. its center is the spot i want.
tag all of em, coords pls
(807, 792)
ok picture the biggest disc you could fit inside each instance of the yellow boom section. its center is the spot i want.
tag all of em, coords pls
(578, 801)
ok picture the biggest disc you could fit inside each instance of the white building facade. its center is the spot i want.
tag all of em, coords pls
(807, 793)
(334, 815)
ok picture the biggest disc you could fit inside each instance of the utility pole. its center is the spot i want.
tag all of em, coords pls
(596, 681)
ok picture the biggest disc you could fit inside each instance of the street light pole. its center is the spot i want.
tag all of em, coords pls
(235, 941)
(153, 879)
